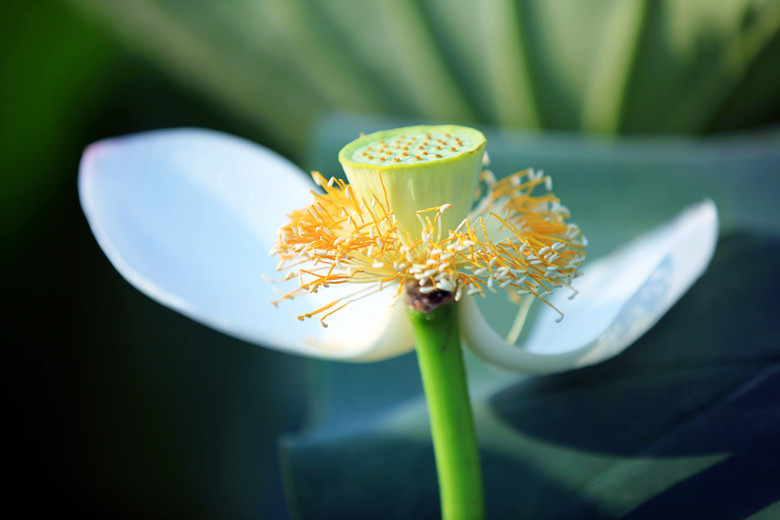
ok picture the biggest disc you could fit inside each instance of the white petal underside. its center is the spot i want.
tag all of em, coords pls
(188, 217)
(621, 297)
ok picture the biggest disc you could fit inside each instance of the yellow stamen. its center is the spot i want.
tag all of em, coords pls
(514, 241)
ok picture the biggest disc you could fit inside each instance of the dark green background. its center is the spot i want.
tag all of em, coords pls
(117, 406)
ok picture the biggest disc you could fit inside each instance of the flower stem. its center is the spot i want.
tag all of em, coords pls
(452, 425)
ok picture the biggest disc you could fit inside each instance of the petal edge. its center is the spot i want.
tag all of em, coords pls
(623, 296)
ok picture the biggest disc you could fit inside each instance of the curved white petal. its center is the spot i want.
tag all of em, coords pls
(621, 297)
(188, 217)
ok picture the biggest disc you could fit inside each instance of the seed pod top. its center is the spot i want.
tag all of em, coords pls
(416, 168)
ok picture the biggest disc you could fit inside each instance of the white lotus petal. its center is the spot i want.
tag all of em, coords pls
(188, 217)
(621, 297)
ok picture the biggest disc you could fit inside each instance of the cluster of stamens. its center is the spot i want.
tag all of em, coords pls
(512, 241)
(412, 149)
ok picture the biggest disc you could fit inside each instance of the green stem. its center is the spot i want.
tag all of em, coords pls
(452, 425)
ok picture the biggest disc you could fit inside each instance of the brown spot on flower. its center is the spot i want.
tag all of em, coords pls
(426, 302)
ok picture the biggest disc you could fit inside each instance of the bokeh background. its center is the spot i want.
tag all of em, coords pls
(121, 408)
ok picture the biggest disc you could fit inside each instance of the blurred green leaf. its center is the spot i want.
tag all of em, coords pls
(50, 64)
(683, 423)
(394, 40)
(225, 49)
(694, 59)
(598, 66)
(488, 41)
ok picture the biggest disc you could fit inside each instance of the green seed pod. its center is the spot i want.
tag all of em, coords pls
(417, 168)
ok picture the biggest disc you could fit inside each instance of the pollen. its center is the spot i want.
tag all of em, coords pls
(515, 240)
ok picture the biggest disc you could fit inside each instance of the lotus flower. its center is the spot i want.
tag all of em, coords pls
(188, 217)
